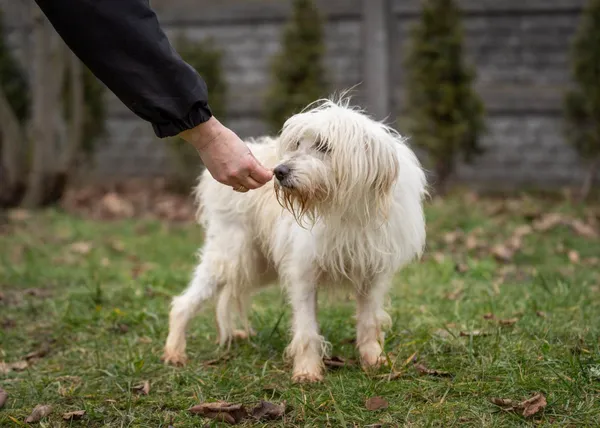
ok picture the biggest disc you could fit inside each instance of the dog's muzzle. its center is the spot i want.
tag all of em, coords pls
(282, 173)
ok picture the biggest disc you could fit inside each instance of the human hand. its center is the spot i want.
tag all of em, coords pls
(226, 157)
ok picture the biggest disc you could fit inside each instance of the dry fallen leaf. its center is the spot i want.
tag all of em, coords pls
(376, 403)
(473, 333)
(268, 411)
(548, 222)
(472, 242)
(534, 405)
(40, 411)
(502, 253)
(451, 237)
(81, 247)
(508, 321)
(422, 369)
(77, 414)
(583, 229)
(143, 388)
(16, 366)
(214, 361)
(221, 411)
(522, 230)
(39, 353)
(574, 257)
(439, 258)
(115, 205)
(336, 361)
(461, 267)
(527, 407)
(18, 215)
(3, 397)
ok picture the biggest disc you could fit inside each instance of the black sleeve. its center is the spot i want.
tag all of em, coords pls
(122, 43)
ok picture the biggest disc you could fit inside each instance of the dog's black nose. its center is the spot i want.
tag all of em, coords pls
(281, 171)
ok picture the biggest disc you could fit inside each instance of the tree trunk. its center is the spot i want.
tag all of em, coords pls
(443, 171)
(76, 119)
(11, 160)
(47, 77)
(589, 180)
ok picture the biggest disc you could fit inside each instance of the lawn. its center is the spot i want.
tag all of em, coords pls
(505, 304)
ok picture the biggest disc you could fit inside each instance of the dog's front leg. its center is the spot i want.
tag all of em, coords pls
(307, 345)
(371, 320)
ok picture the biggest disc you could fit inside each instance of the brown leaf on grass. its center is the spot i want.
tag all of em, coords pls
(214, 361)
(16, 366)
(81, 247)
(221, 411)
(376, 403)
(584, 230)
(3, 397)
(40, 411)
(534, 405)
(508, 321)
(439, 257)
(114, 205)
(143, 388)
(548, 222)
(396, 374)
(461, 267)
(452, 237)
(473, 333)
(7, 323)
(527, 407)
(489, 316)
(266, 410)
(502, 253)
(523, 230)
(574, 257)
(19, 215)
(70, 416)
(335, 362)
(471, 242)
(422, 369)
(39, 353)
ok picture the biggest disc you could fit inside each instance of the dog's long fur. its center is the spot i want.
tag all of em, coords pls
(349, 213)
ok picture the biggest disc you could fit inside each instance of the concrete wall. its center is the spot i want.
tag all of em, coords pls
(520, 50)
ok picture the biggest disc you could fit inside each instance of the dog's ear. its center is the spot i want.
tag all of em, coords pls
(386, 171)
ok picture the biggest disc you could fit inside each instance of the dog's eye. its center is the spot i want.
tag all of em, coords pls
(322, 146)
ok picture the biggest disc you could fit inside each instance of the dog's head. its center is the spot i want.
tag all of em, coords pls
(336, 162)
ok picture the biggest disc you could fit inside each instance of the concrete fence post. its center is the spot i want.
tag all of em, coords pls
(378, 35)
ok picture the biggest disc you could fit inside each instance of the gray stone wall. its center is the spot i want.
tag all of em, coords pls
(519, 48)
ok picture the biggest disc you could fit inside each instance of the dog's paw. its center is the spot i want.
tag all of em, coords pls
(174, 358)
(370, 363)
(371, 356)
(306, 377)
(243, 334)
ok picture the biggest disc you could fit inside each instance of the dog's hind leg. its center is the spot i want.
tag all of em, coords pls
(183, 308)
(371, 320)
(228, 305)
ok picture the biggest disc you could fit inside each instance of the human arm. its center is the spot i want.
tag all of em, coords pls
(122, 43)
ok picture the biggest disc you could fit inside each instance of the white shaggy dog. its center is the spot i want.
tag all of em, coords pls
(345, 210)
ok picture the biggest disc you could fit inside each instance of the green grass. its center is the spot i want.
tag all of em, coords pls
(104, 321)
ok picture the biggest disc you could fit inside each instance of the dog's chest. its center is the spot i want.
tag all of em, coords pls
(350, 255)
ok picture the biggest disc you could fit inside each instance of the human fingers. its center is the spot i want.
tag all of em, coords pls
(259, 173)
